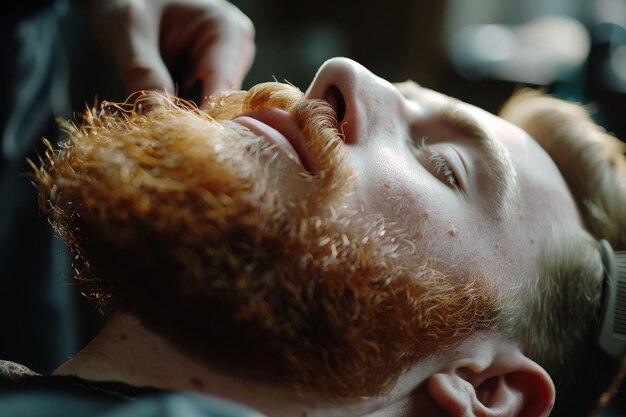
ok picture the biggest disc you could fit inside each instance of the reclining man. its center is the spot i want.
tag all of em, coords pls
(363, 248)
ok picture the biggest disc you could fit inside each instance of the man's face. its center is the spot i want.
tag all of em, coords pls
(462, 185)
(338, 253)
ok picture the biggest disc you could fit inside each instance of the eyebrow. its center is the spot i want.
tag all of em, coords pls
(501, 171)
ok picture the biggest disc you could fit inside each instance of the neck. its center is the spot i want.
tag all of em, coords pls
(127, 351)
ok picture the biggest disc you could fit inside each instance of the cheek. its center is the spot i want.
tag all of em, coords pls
(387, 181)
(396, 187)
(435, 220)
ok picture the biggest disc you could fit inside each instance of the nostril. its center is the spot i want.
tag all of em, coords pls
(335, 99)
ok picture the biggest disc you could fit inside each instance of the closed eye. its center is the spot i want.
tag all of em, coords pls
(439, 165)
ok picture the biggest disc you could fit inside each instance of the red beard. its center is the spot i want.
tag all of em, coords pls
(193, 224)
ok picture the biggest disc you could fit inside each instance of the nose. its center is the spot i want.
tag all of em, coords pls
(363, 101)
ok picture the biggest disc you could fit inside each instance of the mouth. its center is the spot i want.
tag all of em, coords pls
(280, 129)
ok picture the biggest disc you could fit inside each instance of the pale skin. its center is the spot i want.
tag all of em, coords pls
(451, 211)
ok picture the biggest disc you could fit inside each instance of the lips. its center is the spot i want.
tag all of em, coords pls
(280, 129)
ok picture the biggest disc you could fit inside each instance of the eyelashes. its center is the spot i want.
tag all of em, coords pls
(438, 163)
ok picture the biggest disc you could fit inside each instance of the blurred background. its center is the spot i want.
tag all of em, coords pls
(475, 50)
(479, 51)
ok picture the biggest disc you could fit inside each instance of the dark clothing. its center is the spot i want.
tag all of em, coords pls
(68, 396)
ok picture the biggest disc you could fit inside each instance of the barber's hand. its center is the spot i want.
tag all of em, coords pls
(206, 41)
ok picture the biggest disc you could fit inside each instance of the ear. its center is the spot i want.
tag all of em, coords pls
(492, 380)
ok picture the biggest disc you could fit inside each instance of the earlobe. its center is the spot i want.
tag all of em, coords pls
(498, 381)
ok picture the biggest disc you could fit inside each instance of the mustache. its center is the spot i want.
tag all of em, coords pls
(316, 119)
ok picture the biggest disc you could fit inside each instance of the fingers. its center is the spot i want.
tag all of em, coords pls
(129, 31)
(144, 72)
(142, 68)
(140, 64)
(226, 59)
(210, 41)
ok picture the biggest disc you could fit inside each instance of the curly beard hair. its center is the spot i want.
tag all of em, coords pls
(195, 225)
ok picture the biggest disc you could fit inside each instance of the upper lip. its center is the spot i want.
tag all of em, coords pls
(279, 127)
